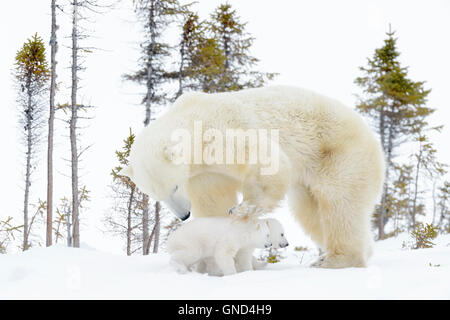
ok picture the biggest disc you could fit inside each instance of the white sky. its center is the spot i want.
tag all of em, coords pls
(313, 44)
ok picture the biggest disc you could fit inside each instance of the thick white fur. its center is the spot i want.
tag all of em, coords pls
(221, 239)
(331, 164)
(242, 259)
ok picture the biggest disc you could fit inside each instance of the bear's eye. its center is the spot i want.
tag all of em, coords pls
(282, 234)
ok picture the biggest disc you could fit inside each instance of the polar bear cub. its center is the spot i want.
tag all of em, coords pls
(220, 238)
(244, 259)
(278, 240)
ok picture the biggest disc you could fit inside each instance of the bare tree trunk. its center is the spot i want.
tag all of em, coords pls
(154, 231)
(129, 227)
(150, 88)
(145, 234)
(382, 218)
(148, 116)
(69, 229)
(382, 209)
(73, 125)
(416, 184)
(181, 74)
(27, 185)
(157, 226)
(51, 120)
(28, 166)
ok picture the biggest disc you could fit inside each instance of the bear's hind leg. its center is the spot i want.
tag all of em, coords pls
(183, 260)
(304, 206)
(346, 230)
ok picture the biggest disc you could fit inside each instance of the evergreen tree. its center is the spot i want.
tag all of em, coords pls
(7, 233)
(396, 105)
(215, 55)
(31, 75)
(155, 16)
(427, 166)
(125, 220)
(235, 43)
(189, 37)
(398, 199)
(201, 60)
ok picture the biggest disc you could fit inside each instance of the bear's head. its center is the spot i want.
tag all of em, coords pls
(155, 168)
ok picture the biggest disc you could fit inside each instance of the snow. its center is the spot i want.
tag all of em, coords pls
(59, 272)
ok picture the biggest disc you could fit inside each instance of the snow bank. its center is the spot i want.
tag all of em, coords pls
(66, 273)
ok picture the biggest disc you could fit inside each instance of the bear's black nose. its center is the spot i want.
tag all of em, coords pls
(187, 215)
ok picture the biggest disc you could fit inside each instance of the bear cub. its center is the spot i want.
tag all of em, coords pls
(224, 244)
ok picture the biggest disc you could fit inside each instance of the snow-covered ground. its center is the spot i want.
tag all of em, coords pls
(65, 273)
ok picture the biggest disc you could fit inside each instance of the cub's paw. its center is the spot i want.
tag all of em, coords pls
(244, 209)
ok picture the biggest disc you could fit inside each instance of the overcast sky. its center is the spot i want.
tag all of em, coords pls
(313, 44)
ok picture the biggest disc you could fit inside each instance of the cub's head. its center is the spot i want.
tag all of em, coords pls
(156, 168)
(277, 236)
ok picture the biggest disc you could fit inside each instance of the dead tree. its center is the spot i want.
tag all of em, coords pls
(51, 120)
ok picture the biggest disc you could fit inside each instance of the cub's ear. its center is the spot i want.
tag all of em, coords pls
(174, 154)
(127, 172)
(258, 226)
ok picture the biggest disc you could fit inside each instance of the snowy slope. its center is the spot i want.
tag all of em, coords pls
(65, 273)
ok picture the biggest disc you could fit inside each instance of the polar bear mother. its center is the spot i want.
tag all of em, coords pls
(330, 165)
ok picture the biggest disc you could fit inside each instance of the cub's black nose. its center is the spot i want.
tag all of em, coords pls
(186, 216)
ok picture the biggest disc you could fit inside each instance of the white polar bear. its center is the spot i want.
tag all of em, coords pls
(330, 164)
(245, 261)
(221, 238)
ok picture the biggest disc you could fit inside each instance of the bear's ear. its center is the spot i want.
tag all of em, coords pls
(127, 172)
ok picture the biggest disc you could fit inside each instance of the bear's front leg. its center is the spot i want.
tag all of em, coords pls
(263, 191)
(244, 259)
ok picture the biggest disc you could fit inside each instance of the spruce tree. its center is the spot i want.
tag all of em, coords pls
(202, 62)
(235, 43)
(126, 217)
(395, 103)
(215, 54)
(31, 75)
(426, 165)
(155, 16)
